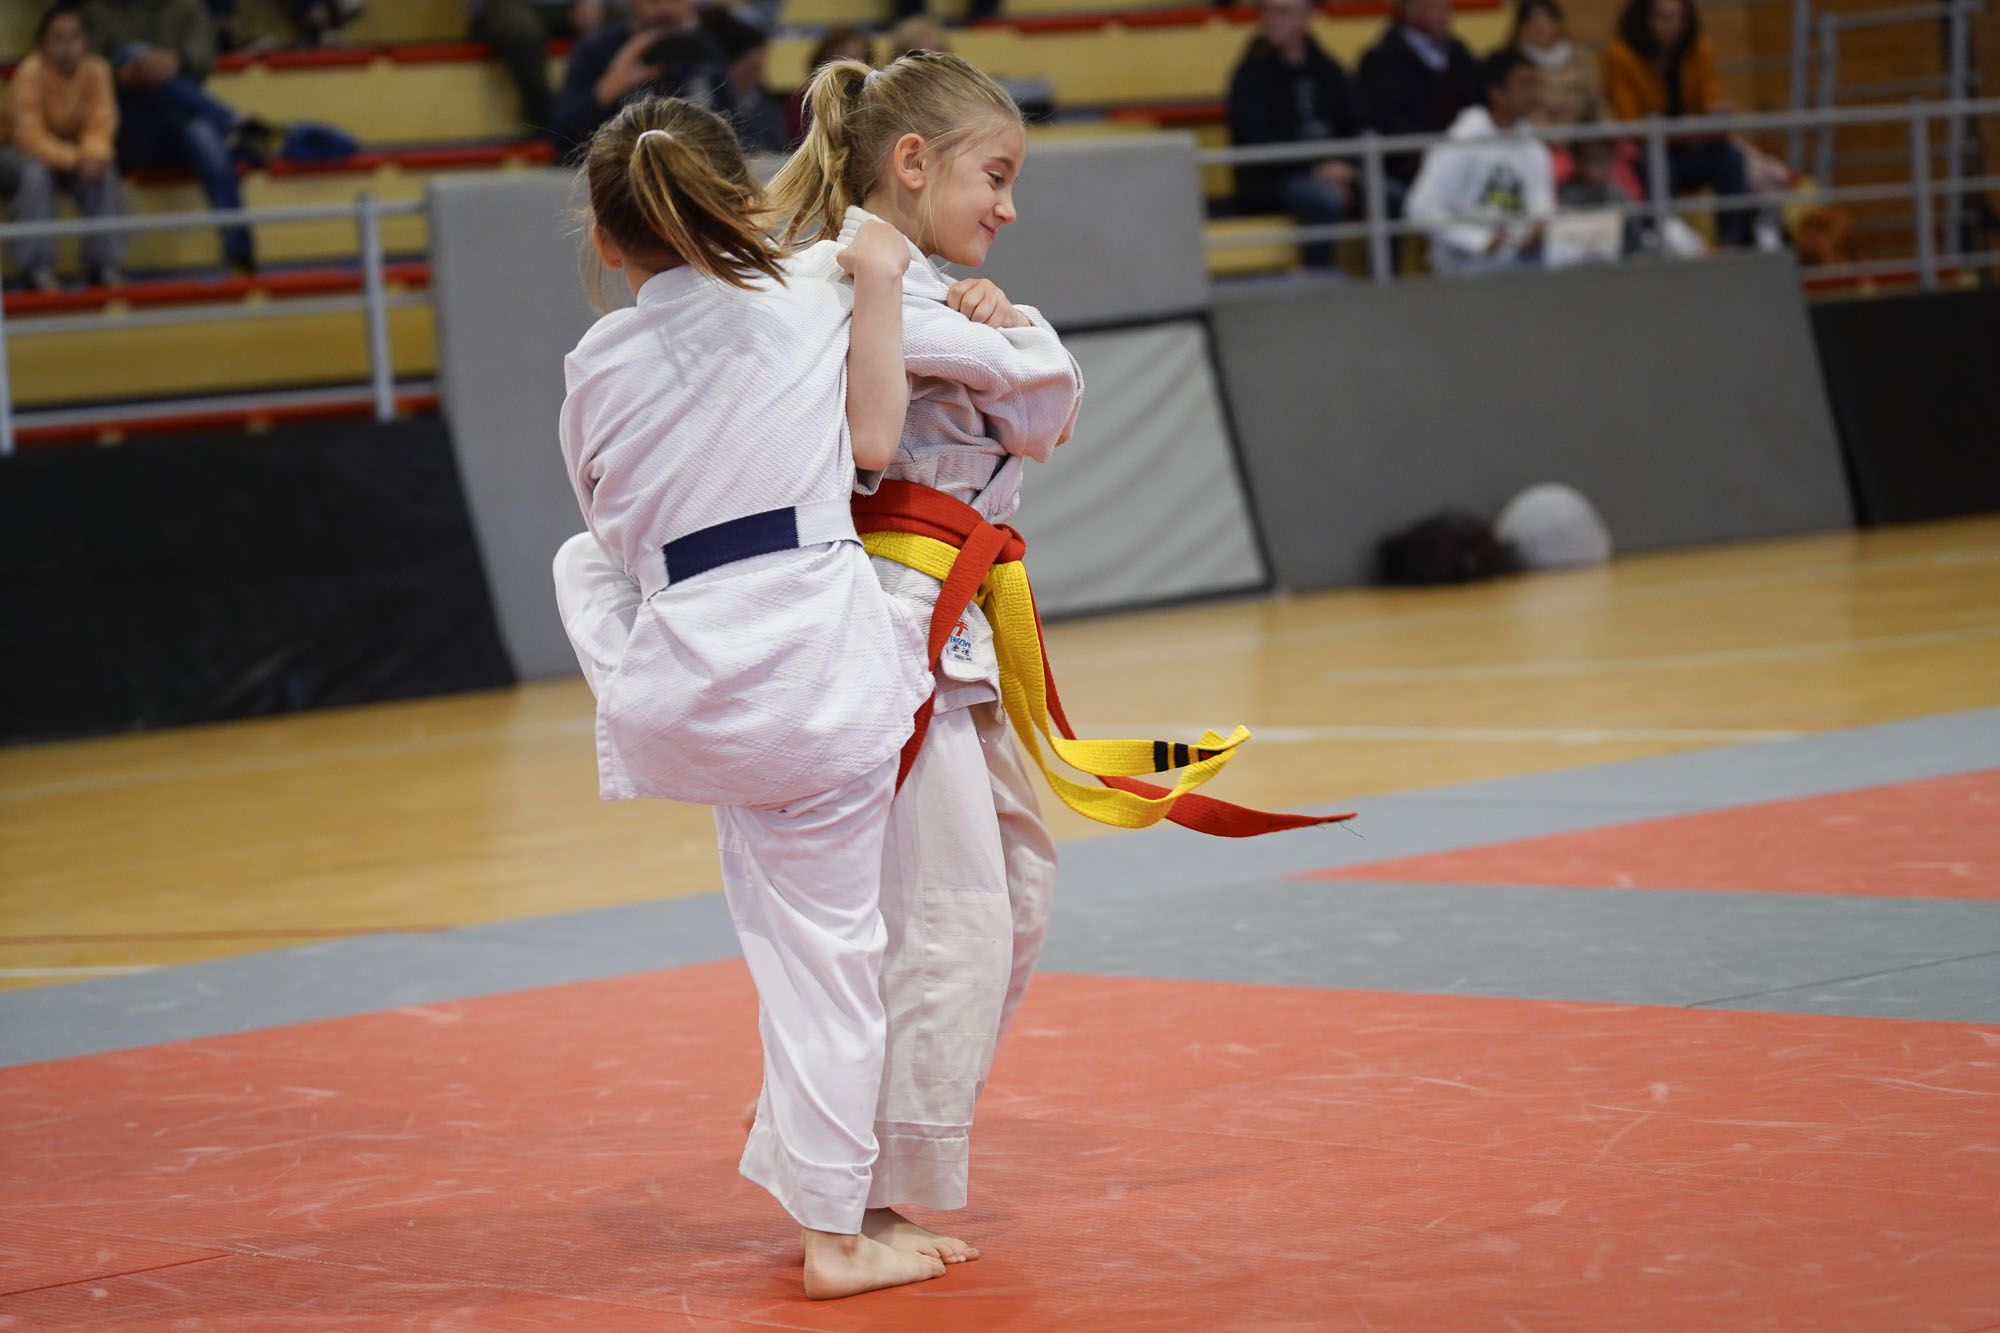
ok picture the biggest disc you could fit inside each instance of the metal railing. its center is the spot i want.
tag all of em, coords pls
(1814, 60)
(374, 301)
(1922, 187)
(1954, 83)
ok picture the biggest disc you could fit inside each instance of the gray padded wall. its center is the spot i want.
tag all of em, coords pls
(509, 308)
(1684, 399)
(1144, 503)
(1109, 231)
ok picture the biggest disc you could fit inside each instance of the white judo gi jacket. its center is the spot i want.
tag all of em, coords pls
(773, 677)
(983, 401)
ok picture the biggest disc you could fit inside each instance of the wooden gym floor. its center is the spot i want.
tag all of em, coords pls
(145, 851)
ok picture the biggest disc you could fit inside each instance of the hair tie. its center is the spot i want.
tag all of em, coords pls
(647, 134)
(869, 81)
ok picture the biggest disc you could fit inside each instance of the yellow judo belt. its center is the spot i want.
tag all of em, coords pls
(1009, 604)
(977, 562)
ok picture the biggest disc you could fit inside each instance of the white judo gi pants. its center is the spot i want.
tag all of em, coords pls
(968, 877)
(802, 883)
(967, 880)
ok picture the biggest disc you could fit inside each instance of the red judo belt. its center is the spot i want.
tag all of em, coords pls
(977, 561)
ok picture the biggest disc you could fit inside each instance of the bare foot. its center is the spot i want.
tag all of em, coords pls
(839, 1265)
(900, 1233)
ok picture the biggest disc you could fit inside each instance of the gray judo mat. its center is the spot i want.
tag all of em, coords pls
(1167, 903)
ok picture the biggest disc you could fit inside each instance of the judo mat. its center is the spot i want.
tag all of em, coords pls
(1703, 1041)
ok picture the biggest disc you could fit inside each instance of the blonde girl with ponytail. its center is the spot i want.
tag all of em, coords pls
(712, 431)
(934, 147)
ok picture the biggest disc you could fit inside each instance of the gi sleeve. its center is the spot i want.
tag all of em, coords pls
(1023, 381)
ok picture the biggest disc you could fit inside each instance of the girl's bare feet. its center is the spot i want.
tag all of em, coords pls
(900, 1233)
(838, 1265)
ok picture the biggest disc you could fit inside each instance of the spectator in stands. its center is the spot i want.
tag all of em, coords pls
(319, 20)
(1570, 83)
(1485, 195)
(1416, 80)
(660, 50)
(160, 51)
(1287, 89)
(975, 11)
(757, 118)
(64, 113)
(1660, 64)
(316, 20)
(917, 33)
(519, 32)
(836, 44)
(224, 15)
(1594, 183)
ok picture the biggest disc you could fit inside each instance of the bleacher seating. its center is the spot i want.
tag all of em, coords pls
(424, 101)
(1093, 63)
(146, 361)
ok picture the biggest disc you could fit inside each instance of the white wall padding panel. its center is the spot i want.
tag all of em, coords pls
(1145, 503)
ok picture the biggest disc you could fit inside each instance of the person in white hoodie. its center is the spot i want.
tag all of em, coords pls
(1485, 195)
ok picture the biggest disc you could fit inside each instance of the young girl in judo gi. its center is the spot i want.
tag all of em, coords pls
(764, 671)
(934, 147)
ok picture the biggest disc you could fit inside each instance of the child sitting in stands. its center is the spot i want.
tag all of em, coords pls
(63, 112)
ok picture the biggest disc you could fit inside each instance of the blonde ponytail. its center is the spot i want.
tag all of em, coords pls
(812, 189)
(669, 185)
(858, 114)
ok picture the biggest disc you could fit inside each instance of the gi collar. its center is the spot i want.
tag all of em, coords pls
(923, 279)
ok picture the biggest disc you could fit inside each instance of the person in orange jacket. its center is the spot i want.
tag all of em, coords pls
(63, 115)
(1660, 64)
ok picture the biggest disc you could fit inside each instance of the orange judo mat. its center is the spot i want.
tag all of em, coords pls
(1151, 1154)
(1939, 838)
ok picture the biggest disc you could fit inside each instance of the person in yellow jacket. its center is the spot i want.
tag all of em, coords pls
(1660, 64)
(62, 113)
